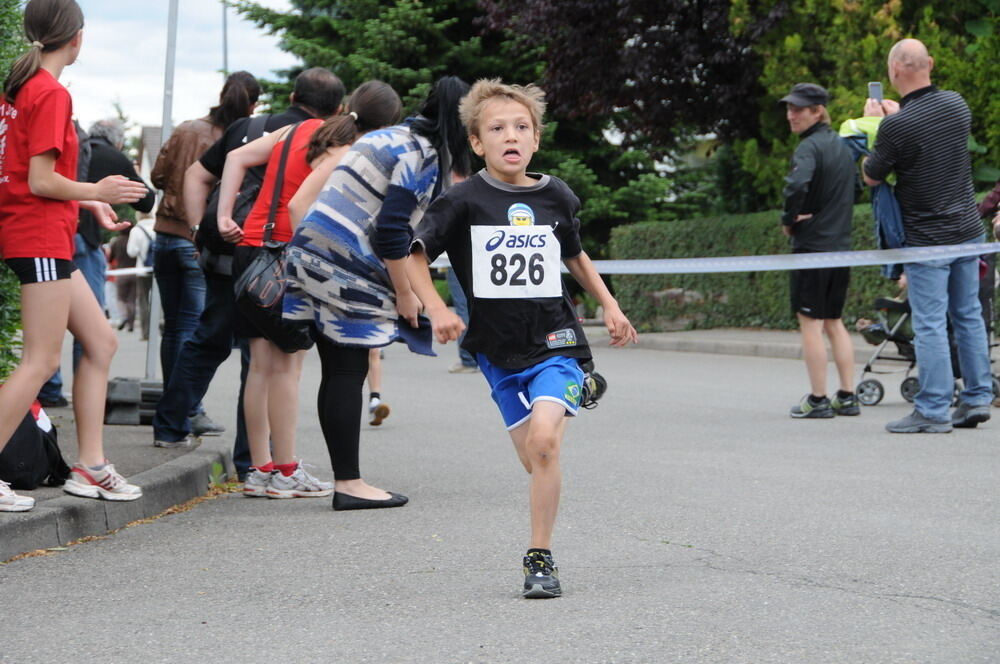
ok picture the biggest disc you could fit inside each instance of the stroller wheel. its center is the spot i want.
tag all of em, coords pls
(909, 388)
(870, 392)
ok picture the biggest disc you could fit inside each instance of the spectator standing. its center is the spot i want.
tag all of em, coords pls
(358, 232)
(39, 205)
(125, 284)
(104, 143)
(272, 385)
(317, 94)
(178, 276)
(819, 202)
(924, 140)
(140, 247)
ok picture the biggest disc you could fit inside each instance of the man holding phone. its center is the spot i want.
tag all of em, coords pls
(819, 203)
(923, 139)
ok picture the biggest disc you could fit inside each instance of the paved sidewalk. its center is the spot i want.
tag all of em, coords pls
(170, 477)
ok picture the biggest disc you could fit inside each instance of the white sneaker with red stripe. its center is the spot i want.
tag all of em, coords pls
(105, 483)
(11, 502)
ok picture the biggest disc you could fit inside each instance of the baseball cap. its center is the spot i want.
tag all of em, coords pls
(806, 94)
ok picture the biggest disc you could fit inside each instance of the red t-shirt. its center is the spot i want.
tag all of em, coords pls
(297, 169)
(39, 120)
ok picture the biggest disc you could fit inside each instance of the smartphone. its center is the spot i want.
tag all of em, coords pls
(875, 91)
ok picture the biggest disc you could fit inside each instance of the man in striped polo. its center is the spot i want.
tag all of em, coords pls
(923, 139)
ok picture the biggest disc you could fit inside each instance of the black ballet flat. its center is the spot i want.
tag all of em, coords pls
(344, 501)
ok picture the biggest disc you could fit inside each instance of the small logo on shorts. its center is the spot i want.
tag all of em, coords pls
(572, 394)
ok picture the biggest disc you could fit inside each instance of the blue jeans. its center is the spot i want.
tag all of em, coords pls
(939, 290)
(462, 309)
(182, 293)
(209, 347)
(93, 266)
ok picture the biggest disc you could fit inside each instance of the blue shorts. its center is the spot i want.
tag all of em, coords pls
(557, 379)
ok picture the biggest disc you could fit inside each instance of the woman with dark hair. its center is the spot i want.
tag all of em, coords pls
(270, 399)
(347, 273)
(178, 275)
(39, 205)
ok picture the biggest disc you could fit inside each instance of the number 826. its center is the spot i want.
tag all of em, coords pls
(518, 264)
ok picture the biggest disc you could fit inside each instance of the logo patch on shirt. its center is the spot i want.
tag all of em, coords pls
(520, 214)
(561, 338)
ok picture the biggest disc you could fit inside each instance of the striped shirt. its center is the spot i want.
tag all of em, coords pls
(926, 144)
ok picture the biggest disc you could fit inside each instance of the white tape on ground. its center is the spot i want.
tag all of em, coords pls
(783, 261)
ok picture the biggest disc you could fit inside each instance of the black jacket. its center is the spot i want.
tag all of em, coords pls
(107, 160)
(822, 182)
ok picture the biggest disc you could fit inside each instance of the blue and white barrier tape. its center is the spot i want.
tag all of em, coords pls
(784, 261)
(751, 263)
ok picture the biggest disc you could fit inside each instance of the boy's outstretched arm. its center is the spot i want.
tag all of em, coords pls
(617, 323)
(445, 323)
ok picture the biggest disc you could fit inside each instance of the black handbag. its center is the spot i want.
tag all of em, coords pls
(261, 287)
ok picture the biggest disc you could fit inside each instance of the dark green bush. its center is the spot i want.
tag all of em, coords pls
(737, 299)
(10, 320)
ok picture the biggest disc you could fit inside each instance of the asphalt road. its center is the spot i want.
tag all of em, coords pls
(698, 524)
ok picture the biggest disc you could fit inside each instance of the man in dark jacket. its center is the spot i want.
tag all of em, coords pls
(104, 146)
(819, 200)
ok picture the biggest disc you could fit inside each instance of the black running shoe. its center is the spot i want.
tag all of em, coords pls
(845, 405)
(594, 385)
(541, 576)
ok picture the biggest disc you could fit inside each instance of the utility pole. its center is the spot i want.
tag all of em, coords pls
(225, 40)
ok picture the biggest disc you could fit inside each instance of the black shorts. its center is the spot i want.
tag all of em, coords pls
(819, 293)
(243, 327)
(37, 270)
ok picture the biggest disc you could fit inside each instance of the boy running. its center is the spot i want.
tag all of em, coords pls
(505, 231)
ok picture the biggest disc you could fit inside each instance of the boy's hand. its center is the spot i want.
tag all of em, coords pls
(105, 215)
(620, 328)
(446, 324)
(408, 305)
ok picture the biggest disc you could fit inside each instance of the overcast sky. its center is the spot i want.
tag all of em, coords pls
(124, 56)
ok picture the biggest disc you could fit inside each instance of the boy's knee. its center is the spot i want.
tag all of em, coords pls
(543, 446)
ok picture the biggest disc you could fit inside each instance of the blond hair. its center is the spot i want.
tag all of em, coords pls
(470, 109)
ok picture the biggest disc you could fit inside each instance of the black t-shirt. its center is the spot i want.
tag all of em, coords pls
(214, 159)
(512, 254)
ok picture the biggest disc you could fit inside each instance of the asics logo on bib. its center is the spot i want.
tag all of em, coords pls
(515, 241)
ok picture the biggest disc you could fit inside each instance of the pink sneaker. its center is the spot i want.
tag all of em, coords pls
(105, 483)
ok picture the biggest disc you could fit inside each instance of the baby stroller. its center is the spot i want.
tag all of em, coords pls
(894, 326)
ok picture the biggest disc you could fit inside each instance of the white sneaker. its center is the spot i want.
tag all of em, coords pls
(105, 483)
(461, 368)
(11, 502)
(378, 410)
(256, 482)
(299, 484)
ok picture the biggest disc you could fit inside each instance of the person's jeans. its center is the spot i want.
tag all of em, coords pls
(939, 290)
(201, 356)
(182, 294)
(93, 266)
(462, 309)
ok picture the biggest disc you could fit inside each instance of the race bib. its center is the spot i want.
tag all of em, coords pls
(515, 262)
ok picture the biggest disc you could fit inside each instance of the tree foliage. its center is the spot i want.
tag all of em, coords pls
(661, 69)
(409, 44)
(844, 44)
(11, 45)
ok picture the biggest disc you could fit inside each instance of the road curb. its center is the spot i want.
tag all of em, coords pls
(61, 520)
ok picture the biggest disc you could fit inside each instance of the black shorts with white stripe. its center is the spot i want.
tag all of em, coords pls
(35, 270)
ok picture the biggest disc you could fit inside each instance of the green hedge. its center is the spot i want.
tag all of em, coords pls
(739, 299)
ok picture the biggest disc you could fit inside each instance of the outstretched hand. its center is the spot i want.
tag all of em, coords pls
(105, 215)
(119, 189)
(620, 328)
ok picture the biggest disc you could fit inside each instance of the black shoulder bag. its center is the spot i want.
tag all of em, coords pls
(261, 287)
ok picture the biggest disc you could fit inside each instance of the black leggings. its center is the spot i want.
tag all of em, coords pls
(339, 404)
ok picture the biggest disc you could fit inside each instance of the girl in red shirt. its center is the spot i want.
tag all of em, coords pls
(39, 201)
(270, 398)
